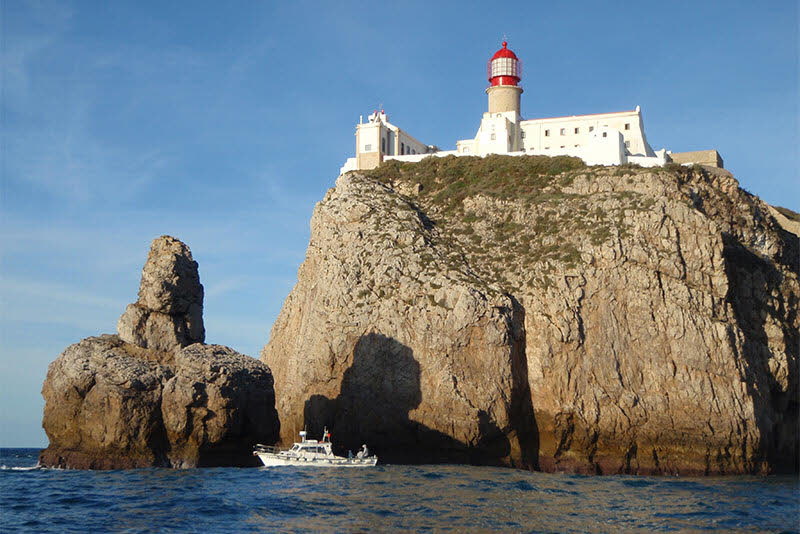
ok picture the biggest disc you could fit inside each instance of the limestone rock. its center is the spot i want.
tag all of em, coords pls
(102, 407)
(151, 396)
(112, 405)
(217, 406)
(391, 345)
(169, 312)
(536, 312)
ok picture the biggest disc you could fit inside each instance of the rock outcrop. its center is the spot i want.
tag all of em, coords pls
(153, 395)
(538, 313)
(169, 312)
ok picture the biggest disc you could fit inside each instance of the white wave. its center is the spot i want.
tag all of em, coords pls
(31, 468)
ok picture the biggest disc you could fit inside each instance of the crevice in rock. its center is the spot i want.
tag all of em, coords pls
(775, 408)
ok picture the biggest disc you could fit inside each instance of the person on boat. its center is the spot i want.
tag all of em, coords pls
(364, 452)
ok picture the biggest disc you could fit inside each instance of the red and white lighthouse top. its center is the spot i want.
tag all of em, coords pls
(504, 68)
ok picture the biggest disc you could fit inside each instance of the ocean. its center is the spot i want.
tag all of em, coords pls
(386, 498)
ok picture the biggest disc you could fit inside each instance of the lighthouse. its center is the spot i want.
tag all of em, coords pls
(598, 139)
(504, 72)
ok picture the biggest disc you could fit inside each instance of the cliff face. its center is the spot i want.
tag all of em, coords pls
(535, 312)
(155, 395)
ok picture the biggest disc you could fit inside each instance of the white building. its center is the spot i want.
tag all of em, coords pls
(598, 139)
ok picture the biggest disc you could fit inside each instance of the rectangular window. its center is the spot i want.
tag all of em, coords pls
(547, 133)
(563, 130)
(562, 146)
(522, 134)
(605, 134)
(402, 148)
(383, 145)
(591, 128)
(627, 144)
(577, 130)
(627, 126)
(493, 136)
(367, 148)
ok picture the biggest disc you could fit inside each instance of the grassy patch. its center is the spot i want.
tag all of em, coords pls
(447, 181)
(789, 214)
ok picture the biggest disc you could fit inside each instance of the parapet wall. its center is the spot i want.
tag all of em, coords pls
(701, 157)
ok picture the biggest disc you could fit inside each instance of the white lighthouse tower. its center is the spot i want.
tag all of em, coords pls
(500, 131)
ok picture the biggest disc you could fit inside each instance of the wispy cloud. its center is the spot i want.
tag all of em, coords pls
(12, 287)
(224, 286)
(43, 303)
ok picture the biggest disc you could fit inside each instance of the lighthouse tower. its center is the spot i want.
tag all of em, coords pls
(501, 126)
(504, 73)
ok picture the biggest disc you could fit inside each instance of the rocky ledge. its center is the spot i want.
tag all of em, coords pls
(534, 312)
(155, 395)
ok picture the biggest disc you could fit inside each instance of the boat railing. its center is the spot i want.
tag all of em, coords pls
(269, 448)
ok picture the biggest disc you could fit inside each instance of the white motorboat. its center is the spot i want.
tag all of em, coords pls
(310, 452)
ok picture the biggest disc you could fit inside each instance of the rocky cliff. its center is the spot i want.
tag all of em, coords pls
(155, 395)
(538, 313)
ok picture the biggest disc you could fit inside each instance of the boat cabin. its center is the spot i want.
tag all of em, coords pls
(312, 446)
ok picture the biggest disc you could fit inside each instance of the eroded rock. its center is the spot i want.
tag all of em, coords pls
(503, 310)
(149, 397)
(169, 312)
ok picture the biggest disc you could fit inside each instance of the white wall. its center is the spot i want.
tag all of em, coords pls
(562, 131)
(581, 136)
(349, 165)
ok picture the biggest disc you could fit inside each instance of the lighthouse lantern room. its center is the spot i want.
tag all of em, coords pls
(504, 72)
(504, 68)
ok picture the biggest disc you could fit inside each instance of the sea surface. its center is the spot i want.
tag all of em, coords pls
(386, 498)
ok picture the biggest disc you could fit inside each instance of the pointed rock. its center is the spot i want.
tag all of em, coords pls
(155, 395)
(169, 312)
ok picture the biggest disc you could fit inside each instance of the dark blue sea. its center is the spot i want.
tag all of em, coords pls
(388, 498)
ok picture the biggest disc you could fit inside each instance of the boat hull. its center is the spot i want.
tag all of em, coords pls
(274, 460)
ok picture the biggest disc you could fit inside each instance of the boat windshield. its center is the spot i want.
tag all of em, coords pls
(314, 449)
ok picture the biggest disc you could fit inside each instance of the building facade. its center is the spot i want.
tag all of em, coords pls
(598, 139)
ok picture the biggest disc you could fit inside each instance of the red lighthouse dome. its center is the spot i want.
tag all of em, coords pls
(504, 68)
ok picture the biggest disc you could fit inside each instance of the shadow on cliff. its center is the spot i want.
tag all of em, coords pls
(753, 282)
(377, 393)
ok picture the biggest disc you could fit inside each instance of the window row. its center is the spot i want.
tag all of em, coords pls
(404, 149)
(563, 131)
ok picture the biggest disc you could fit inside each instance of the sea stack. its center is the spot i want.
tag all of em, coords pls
(155, 395)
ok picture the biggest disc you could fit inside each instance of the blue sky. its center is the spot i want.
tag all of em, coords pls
(223, 123)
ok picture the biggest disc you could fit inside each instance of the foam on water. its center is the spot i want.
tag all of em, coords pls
(15, 468)
(446, 498)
